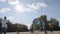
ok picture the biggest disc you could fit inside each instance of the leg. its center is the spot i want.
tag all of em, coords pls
(5, 30)
(32, 31)
(17, 32)
(1, 30)
(51, 29)
(45, 30)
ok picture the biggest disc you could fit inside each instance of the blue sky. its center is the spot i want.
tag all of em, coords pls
(24, 11)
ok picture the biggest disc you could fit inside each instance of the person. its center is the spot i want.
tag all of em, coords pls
(4, 23)
(17, 29)
(44, 27)
(51, 27)
(31, 28)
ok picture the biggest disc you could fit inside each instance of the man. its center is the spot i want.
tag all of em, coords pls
(44, 22)
(4, 23)
(51, 27)
(31, 28)
(44, 27)
(17, 29)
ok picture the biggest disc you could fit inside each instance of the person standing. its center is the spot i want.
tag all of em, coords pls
(44, 23)
(44, 27)
(17, 29)
(51, 26)
(31, 28)
(4, 23)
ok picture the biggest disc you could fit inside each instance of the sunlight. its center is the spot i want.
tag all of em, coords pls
(13, 2)
(19, 8)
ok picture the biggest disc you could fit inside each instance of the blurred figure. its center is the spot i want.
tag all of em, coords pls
(51, 27)
(4, 23)
(31, 28)
(17, 26)
(43, 19)
(44, 27)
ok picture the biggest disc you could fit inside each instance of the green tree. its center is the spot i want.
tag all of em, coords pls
(21, 27)
(17, 27)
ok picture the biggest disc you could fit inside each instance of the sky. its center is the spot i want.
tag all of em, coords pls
(24, 11)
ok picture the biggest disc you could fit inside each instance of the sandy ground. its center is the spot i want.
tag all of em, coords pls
(36, 32)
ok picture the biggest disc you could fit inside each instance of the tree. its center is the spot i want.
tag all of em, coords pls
(21, 27)
(17, 27)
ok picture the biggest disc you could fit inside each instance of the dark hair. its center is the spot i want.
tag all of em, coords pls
(5, 17)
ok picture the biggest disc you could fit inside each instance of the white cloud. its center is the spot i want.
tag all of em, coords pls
(16, 5)
(2, 0)
(19, 8)
(3, 10)
(13, 2)
(43, 5)
(30, 7)
(10, 18)
(35, 6)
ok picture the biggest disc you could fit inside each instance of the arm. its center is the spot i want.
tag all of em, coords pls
(7, 22)
(0, 23)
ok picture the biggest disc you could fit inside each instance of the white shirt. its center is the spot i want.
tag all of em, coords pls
(4, 23)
